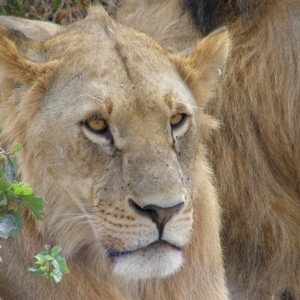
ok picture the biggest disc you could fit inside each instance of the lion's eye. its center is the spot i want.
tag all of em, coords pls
(177, 120)
(96, 125)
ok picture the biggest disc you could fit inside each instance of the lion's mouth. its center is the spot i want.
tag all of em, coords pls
(159, 244)
(158, 259)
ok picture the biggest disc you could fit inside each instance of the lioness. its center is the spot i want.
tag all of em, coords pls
(112, 128)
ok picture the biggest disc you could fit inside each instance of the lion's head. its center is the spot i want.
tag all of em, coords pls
(112, 129)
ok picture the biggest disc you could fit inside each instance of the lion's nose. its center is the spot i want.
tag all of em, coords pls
(159, 215)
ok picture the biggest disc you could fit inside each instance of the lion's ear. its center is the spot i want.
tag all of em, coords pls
(201, 68)
(16, 53)
(24, 76)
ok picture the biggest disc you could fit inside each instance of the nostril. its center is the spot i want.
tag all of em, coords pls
(142, 211)
(159, 215)
(134, 205)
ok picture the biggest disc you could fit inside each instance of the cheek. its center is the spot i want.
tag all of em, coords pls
(187, 156)
(187, 144)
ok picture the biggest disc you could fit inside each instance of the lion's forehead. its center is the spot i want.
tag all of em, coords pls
(86, 90)
(125, 66)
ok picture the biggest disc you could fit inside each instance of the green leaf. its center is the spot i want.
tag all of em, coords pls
(19, 221)
(10, 195)
(57, 277)
(10, 172)
(35, 271)
(45, 268)
(50, 264)
(21, 189)
(39, 262)
(10, 224)
(55, 251)
(61, 265)
(3, 185)
(35, 205)
(17, 148)
(44, 257)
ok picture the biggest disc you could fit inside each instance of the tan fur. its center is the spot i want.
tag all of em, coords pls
(165, 21)
(48, 92)
(256, 152)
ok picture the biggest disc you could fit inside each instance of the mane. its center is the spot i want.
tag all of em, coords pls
(207, 15)
(255, 153)
(82, 229)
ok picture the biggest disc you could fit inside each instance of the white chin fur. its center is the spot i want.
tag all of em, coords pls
(149, 263)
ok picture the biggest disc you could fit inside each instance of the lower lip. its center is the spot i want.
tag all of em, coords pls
(157, 244)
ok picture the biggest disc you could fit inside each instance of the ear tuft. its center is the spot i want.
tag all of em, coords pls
(21, 79)
(201, 69)
(210, 54)
(13, 62)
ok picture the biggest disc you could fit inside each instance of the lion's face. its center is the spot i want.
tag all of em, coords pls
(114, 143)
(130, 167)
(122, 145)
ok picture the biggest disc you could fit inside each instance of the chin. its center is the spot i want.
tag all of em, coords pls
(157, 260)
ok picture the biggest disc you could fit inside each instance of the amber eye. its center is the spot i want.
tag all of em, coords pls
(97, 125)
(177, 120)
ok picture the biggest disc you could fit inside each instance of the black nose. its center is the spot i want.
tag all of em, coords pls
(159, 215)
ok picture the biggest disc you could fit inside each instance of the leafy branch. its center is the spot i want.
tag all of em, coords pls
(50, 264)
(13, 197)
